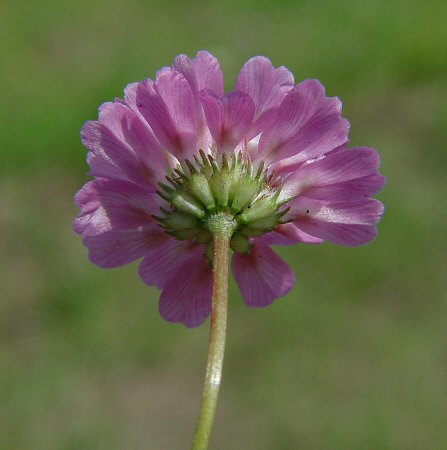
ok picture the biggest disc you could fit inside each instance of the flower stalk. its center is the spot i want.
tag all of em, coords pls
(221, 227)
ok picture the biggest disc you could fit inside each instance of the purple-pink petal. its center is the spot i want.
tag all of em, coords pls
(116, 248)
(92, 218)
(344, 175)
(349, 190)
(202, 72)
(267, 86)
(171, 108)
(344, 223)
(122, 141)
(162, 260)
(108, 156)
(107, 204)
(308, 125)
(228, 118)
(287, 234)
(101, 167)
(186, 297)
(262, 276)
(130, 95)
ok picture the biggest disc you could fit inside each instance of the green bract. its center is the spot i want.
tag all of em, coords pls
(201, 190)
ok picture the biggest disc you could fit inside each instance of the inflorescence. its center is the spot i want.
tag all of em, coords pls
(199, 191)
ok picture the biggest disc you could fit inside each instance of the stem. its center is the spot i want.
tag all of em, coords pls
(222, 228)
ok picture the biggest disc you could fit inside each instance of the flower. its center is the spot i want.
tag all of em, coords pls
(176, 151)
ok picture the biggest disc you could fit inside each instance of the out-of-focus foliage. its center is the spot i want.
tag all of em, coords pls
(354, 357)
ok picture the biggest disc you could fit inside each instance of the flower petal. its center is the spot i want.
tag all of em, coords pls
(107, 204)
(287, 234)
(116, 248)
(262, 276)
(92, 218)
(130, 95)
(125, 144)
(104, 168)
(228, 118)
(308, 125)
(171, 109)
(267, 87)
(345, 175)
(202, 72)
(344, 223)
(186, 296)
(161, 261)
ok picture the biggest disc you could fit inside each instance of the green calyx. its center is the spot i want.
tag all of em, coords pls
(229, 196)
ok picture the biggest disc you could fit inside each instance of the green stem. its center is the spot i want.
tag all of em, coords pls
(221, 228)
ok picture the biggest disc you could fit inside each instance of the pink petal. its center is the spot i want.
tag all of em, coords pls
(350, 190)
(130, 127)
(267, 87)
(107, 152)
(345, 175)
(308, 125)
(104, 168)
(202, 72)
(122, 141)
(107, 204)
(162, 261)
(262, 276)
(186, 296)
(287, 234)
(92, 218)
(130, 95)
(228, 118)
(292, 163)
(344, 223)
(118, 247)
(171, 109)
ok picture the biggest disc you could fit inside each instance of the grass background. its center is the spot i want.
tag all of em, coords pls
(353, 358)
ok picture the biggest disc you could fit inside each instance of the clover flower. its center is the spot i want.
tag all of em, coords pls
(271, 155)
(184, 172)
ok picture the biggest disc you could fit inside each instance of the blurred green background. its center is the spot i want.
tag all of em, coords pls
(353, 358)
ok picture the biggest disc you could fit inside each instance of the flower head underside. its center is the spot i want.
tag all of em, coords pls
(177, 152)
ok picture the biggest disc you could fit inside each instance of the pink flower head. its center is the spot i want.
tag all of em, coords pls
(176, 150)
